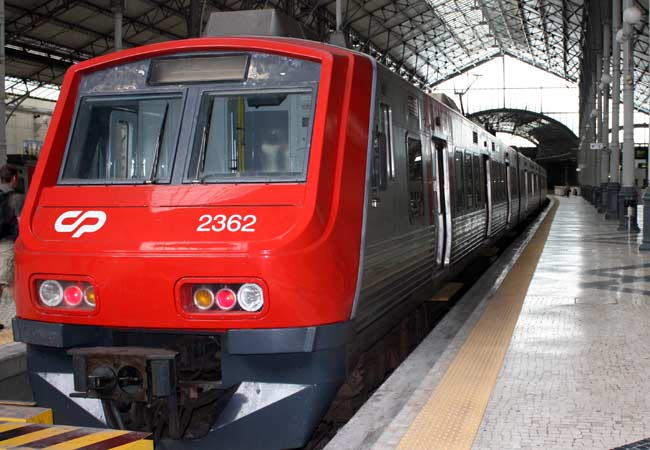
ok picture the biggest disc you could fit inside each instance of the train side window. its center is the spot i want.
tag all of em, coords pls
(458, 180)
(497, 182)
(386, 127)
(493, 180)
(469, 181)
(379, 161)
(501, 185)
(477, 180)
(502, 190)
(416, 181)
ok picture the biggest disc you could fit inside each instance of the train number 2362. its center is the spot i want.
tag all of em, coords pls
(222, 222)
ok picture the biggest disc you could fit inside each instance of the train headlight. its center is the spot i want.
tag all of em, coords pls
(50, 293)
(250, 297)
(203, 298)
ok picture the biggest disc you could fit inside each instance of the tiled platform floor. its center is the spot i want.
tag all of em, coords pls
(577, 372)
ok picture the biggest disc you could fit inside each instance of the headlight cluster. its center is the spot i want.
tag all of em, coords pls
(246, 297)
(67, 294)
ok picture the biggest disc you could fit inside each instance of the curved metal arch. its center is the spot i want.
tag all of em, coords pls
(534, 126)
(552, 138)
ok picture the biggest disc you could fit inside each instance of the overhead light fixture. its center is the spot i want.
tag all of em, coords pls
(632, 15)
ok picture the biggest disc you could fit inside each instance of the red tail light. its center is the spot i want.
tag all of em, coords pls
(226, 299)
(73, 295)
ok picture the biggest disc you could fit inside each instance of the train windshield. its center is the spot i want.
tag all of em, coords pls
(260, 136)
(124, 139)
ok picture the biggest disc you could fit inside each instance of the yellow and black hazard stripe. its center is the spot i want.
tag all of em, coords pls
(32, 436)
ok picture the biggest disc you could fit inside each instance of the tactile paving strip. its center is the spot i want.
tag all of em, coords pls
(452, 416)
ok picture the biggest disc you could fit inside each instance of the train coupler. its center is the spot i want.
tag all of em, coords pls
(126, 375)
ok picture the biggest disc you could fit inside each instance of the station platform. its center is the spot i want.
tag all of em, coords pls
(548, 351)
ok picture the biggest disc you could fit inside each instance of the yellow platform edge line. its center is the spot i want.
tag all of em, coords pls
(453, 414)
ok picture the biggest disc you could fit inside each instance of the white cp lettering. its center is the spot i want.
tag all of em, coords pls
(99, 216)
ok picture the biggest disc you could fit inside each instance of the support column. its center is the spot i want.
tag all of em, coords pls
(605, 79)
(614, 185)
(194, 19)
(588, 170)
(3, 112)
(118, 8)
(645, 245)
(628, 197)
(598, 131)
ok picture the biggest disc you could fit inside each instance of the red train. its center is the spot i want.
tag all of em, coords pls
(217, 227)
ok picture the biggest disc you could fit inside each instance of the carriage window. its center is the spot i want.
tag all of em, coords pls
(379, 161)
(416, 181)
(477, 181)
(123, 139)
(469, 181)
(458, 180)
(385, 127)
(252, 137)
(493, 178)
(502, 181)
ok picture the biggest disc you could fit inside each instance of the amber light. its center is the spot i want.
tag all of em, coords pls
(203, 298)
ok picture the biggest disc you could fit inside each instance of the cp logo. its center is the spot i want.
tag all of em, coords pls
(97, 220)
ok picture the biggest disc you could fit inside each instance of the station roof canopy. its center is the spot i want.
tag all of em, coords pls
(427, 41)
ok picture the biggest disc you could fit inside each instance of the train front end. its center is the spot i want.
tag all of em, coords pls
(189, 250)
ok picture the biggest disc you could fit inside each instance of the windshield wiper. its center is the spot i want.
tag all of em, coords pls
(200, 164)
(156, 155)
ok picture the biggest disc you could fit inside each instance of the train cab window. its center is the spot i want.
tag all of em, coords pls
(458, 181)
(416, 180)
(469, 181)
(123, 139)
(261, 137)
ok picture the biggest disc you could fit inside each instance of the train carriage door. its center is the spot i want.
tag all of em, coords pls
(443, 208)
(488, 193)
